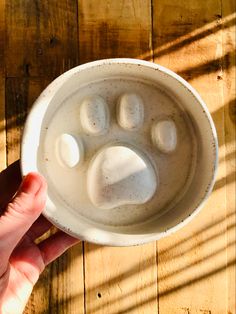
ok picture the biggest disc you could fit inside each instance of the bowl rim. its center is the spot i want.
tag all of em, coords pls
(123, 239)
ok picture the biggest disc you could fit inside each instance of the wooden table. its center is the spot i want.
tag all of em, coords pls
(192, 271)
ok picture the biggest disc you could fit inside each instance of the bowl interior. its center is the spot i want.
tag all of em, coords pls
(156, 226)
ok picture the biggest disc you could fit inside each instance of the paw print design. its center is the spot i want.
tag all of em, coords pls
(118, 174)
(118, 157)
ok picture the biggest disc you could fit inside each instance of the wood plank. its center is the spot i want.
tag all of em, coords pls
(49, 293)
(114, 29)
(192, 263)
(229, 79)
(121, 280)
(2, 88)
(20, 95)
(60, 287)
(117, 280)
(41, 37)
(67, 287)
(41, 42)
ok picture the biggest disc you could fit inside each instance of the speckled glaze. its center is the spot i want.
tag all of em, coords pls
(164, 147)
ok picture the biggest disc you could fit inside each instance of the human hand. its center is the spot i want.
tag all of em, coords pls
(21, 260)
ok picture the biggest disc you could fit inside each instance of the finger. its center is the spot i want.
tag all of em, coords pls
(56, 245)
(39, 227)
(31, 184)
(21, 213)
(10, 180)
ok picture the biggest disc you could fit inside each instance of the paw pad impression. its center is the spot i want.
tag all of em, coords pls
(119, 175)
(119, 151)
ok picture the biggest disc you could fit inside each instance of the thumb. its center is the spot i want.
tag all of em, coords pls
(20, 214)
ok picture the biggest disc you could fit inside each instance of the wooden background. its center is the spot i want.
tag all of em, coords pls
(192, 271)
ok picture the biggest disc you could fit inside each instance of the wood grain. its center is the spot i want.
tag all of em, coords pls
(41, 37)
(2, 88)
(229, 93)
(121, 280)
(67, 286)
(117, 280)
(49, 295)
(193, 270)
(192, 263)
(41, 43)
(114, 29)
(20, 95)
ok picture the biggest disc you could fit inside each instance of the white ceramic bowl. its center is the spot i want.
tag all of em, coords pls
(156, 227)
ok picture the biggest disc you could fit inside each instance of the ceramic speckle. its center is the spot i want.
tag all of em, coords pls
(164, 136)
(130, 111)
(118, 175)
(128, 148)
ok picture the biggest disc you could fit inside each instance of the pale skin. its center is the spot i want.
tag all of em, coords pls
(21, 223)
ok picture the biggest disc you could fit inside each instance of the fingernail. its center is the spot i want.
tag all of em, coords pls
(31, 183)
